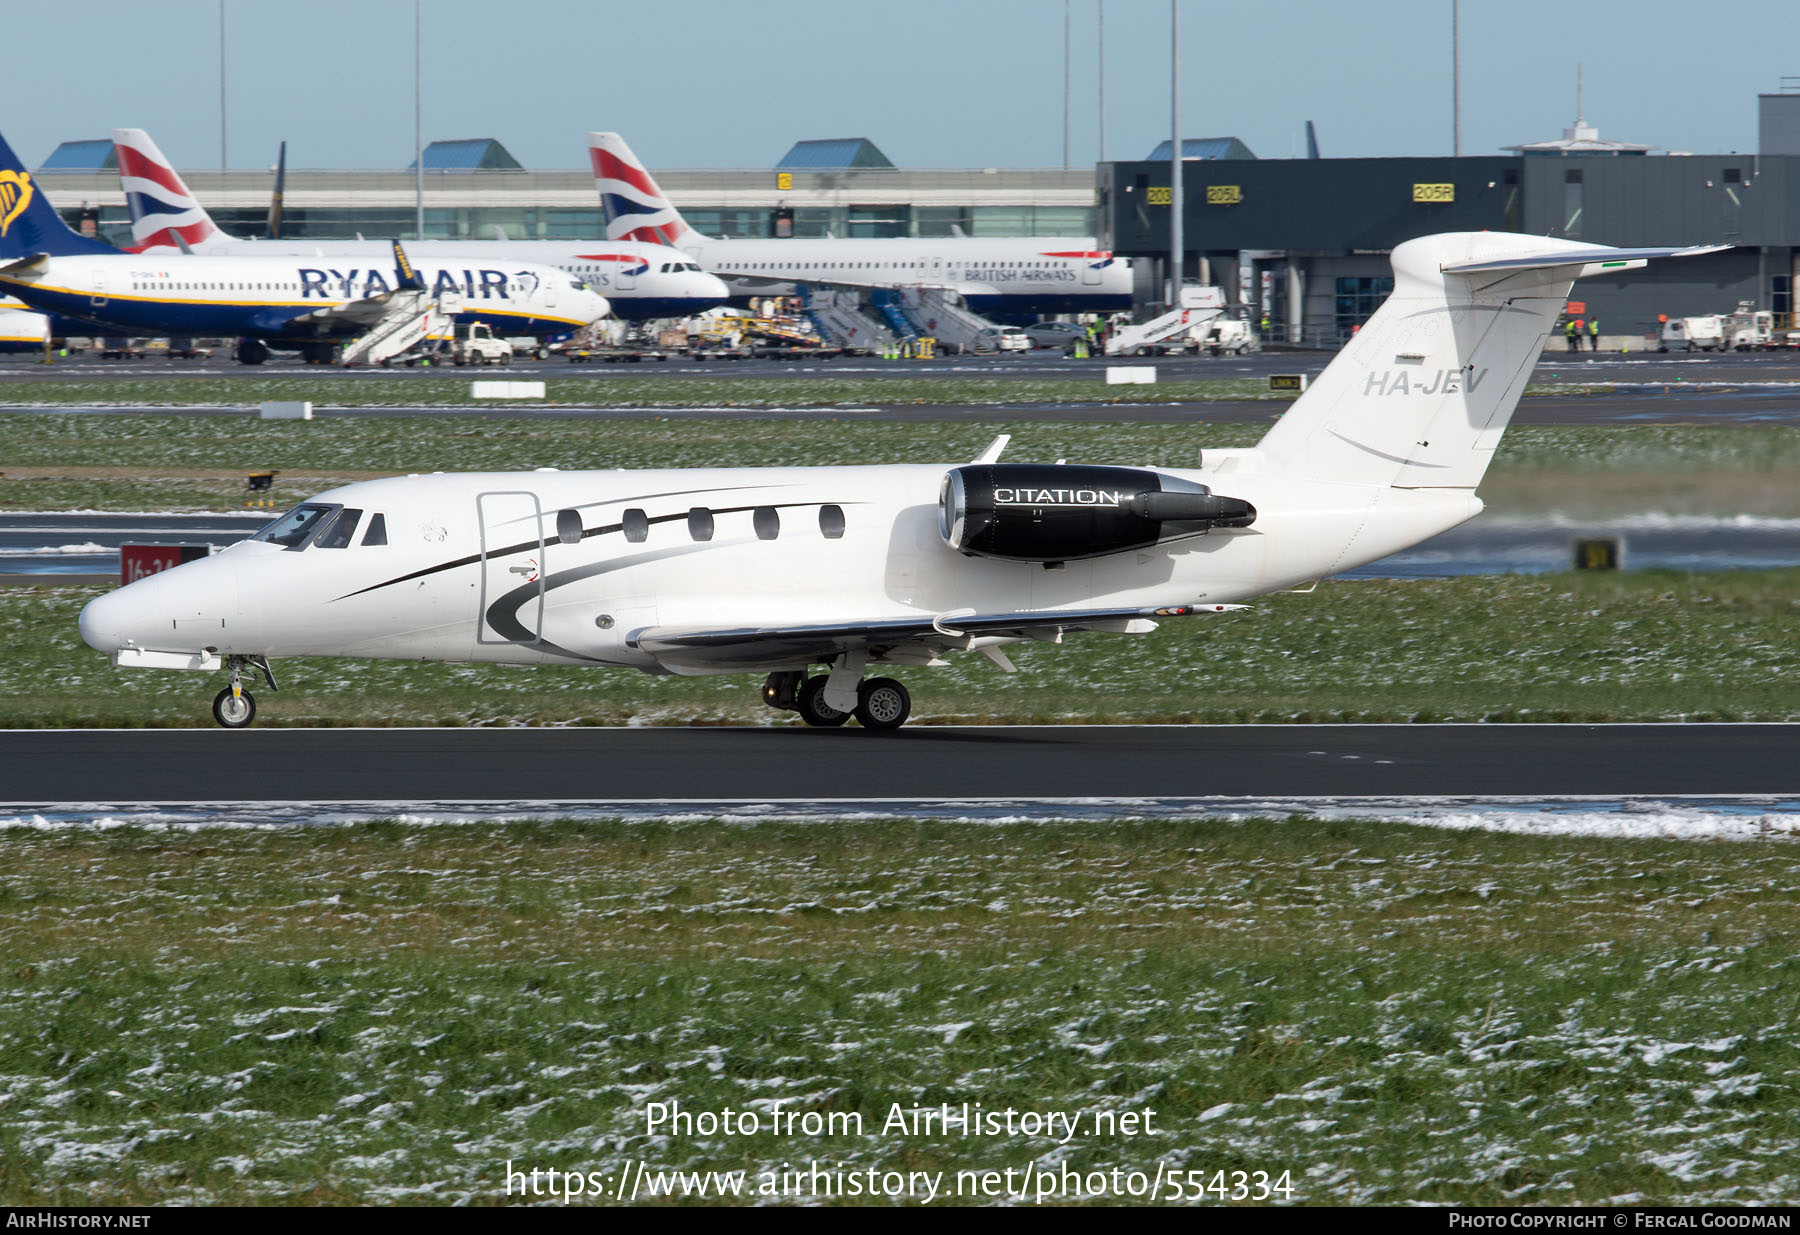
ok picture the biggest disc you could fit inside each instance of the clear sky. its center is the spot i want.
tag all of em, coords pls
(934, 83)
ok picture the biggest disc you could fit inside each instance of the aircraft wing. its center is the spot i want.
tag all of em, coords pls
(756, 645)
(365, 312)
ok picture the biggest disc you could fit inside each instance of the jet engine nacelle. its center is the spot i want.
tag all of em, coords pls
(1033, 512)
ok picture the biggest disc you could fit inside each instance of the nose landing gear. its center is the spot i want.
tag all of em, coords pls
(234, 707)
(881, 703)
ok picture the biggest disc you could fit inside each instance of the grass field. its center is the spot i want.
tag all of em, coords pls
(1576, 647)
(1393, 1015)
(50, 462)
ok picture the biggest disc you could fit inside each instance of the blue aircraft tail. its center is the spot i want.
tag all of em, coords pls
(28, 223)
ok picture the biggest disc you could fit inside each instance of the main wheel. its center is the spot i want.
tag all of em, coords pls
(812, 706)
(234, 711)
(882, 703)
(252, 351)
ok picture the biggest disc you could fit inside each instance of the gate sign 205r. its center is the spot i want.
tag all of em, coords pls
(1434, 192)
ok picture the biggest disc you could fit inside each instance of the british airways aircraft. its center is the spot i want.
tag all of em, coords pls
(642, 281)
(1037, 275)
(266, 301)
(814, 576)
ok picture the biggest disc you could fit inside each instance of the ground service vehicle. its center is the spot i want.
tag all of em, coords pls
(474, 343)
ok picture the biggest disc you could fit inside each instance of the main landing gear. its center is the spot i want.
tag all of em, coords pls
(881, 703)
(234, 707)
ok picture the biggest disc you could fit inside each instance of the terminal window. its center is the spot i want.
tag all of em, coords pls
(1357, 300)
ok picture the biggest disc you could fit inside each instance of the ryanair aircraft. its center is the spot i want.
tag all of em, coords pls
(813, 576)
(266, 301)
(642, 281)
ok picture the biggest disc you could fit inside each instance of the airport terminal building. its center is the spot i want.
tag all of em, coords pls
(1303, 242)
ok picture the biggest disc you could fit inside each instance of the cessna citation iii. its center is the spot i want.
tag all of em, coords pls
(642, 281)
(1043, 274)
(279, 301)
(782, 570)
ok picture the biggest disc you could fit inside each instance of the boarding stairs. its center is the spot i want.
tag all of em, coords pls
(839, 319)
(889, 302)
(412, 316)
(1199, 305)
(942, 315)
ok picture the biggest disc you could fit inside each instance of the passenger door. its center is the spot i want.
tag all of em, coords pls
(512, 569)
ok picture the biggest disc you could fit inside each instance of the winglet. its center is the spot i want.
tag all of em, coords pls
(403, 267)
(992, 453)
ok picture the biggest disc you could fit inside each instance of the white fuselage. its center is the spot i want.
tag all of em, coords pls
(643, 281)
(281, 298)
(569, 567)
(1045, 274)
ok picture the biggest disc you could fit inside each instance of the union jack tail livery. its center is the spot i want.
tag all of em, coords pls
(164, 214)
(635, 209)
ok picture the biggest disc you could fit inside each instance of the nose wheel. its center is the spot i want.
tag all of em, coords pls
(234, 707)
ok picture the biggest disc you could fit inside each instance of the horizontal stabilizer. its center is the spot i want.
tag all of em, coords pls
(1600, 257)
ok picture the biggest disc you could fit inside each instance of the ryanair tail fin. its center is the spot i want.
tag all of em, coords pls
(164, 214)
(634, 207)
(1420, 395)
(28, 223)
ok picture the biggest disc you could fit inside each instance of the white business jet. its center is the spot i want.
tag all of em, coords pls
(783, 571)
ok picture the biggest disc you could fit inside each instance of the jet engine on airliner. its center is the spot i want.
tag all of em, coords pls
(1032, 512)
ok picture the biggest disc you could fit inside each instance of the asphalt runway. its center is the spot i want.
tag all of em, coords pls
(794, 764)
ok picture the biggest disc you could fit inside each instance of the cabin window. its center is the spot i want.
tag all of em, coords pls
(636, 525)
(337, 534)
(700, 523)
(292, 529)
(767, 522)
(377, 533)
(831, 522)
(568, 526)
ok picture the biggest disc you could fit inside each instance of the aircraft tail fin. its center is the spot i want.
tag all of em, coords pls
(1419, 396)
(633, 205)
(29, 225)
(164, 214)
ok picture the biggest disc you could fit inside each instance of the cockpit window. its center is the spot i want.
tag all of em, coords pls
(296, 527)
(337, 533)
(377, 533)
(578, 285)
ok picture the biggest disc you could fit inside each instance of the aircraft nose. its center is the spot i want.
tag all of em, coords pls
(122, 618)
